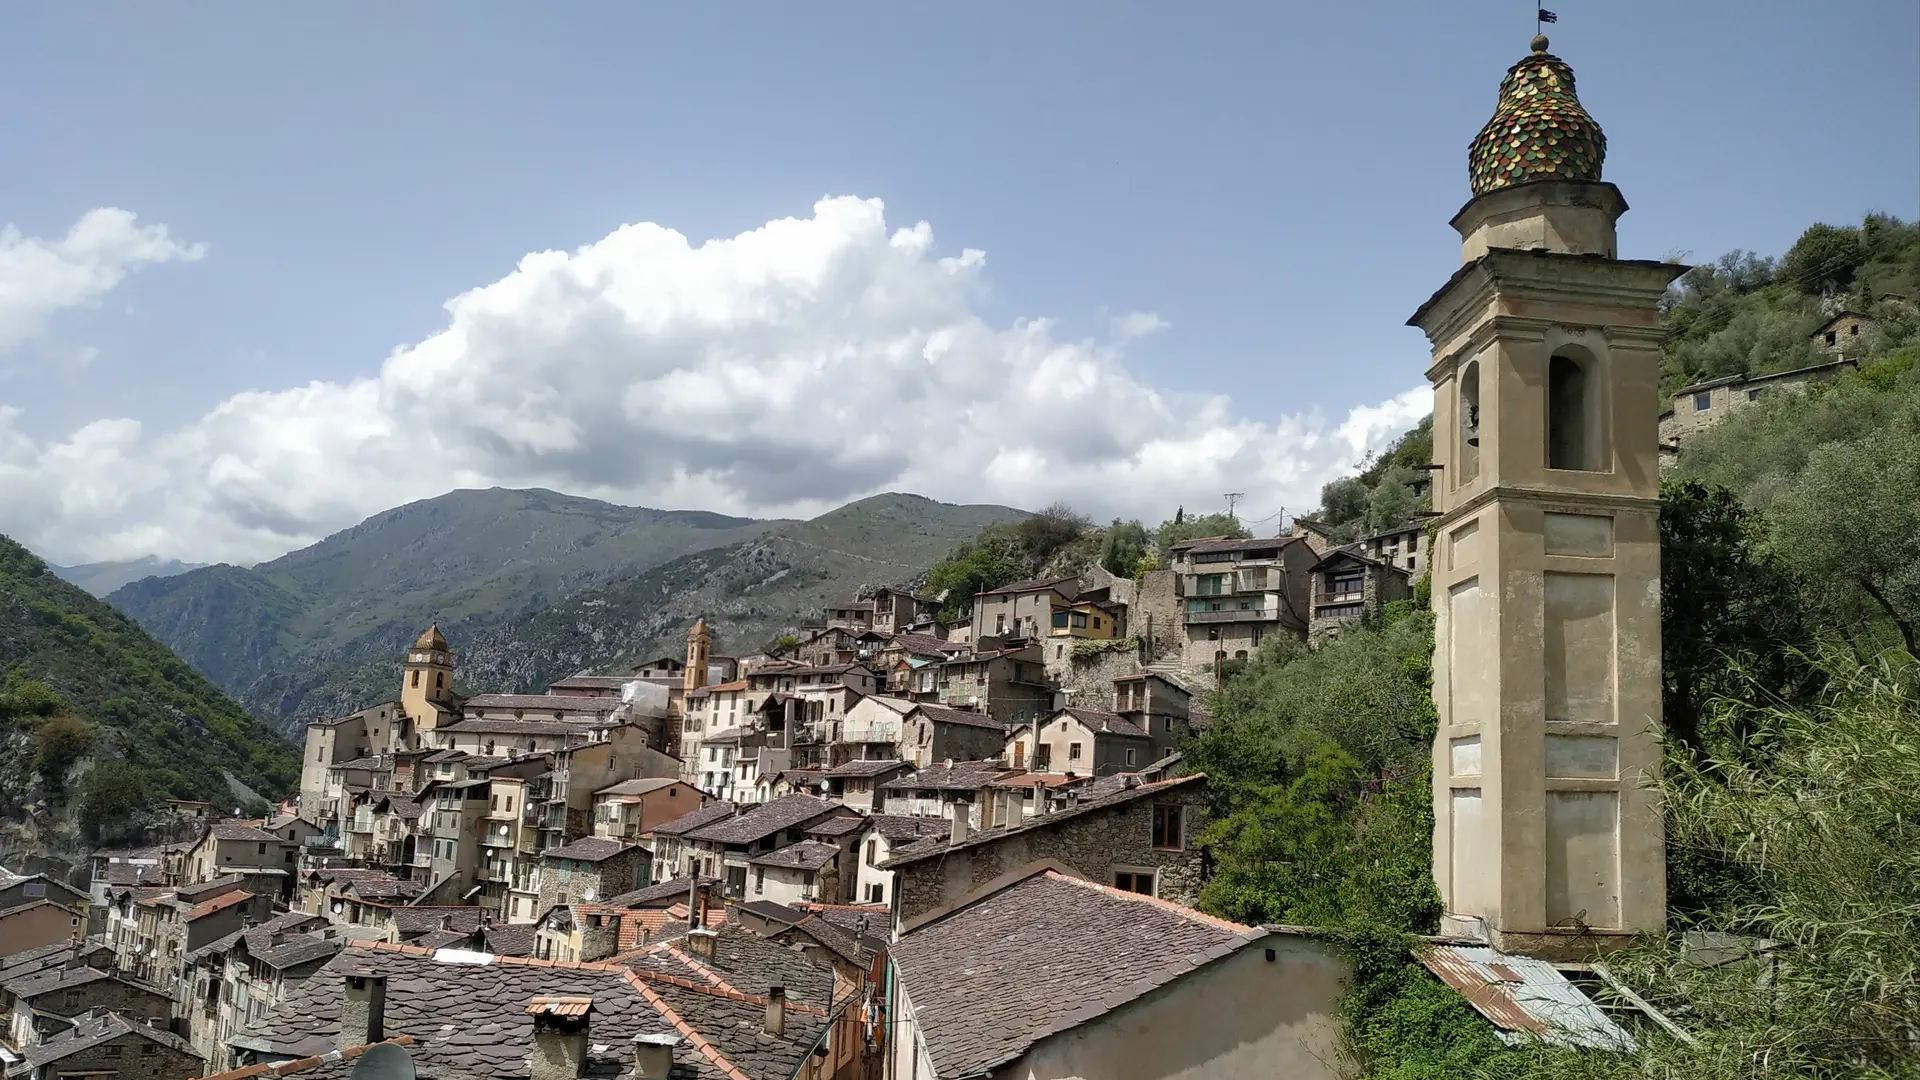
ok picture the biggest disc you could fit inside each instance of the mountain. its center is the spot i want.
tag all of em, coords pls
(748, 592)
(80, 681)
(318, 632)
(101, 578)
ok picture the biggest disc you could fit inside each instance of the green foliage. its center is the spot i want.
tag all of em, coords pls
(991, 559)
(70, 653)
(111, 796)
(783, 642)
(1084, 648)
(1382, 495)
(59, 742)
(1125, 548)
(1824, 259)
(1183, 527)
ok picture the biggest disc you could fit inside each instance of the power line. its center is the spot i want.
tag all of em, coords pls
(1233, 498)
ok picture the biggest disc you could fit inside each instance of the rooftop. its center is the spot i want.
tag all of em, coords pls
(867, 768)
(941, 845)
(980, 998)
(1103, 722)
(589, 849)
(1066, 586)
(719, 810)
(637, 787)
(764, 820)
(95, 1028)
(545, 702)
(951, 776)
(805, 855)
(941, 714)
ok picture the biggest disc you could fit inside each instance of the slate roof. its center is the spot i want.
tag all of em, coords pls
(257, 936)
(896, 827)
(694, 819)
(839, 825)
(805, 855)
(26, 962)
(589, 849)
(941, 714)
(518, 727)
(1066, 586)
(950, 776)
(637, 787)
(411, 920)
(385, 888)
(867, 768)
(939, 846)
(980, 998)
(512, 940)
(566, 702)
(1201, 545)
(94, 1029)
(469, 1021)
(743, 960)
(295, 951)
(591, 682)
(1103, 722)
(764, 820)
(928, 645)
(657, 895)
(64, 978)
(240, 830)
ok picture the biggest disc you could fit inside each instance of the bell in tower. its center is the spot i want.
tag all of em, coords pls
(1546, 580)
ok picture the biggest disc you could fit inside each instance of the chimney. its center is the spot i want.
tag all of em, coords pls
(446, 921)
(1039, 798)
(560, 1026)
(960, 823)
(700, 942)
(363, 1007)
(776, 1010)
(276, 938)
(653, 1056)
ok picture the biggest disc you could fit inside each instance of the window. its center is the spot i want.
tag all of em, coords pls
(1832, 337)
(1853, 329)
(876, 893)
(36, 888)
(759, 880)
(146, 1049)
(416, 678)
(1139, 881)
(1469, 418)
(439, 679)
(113, 1051)
(1073, 751)
(1166, 828)
(873, 853)
(1754, 395)
(1130, 753)
(263, 849)
(1413, 542)
(1042, 756)
(1703, 401)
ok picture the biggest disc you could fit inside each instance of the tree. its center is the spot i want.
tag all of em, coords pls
(1122, 547)
(59, 743)
(111, 794)
(1849, 526)
(1344, 501)
(1728, 615)
(1188, 528)
(994, 557)
(1824, 259)
(1044, 534)
(784, 642)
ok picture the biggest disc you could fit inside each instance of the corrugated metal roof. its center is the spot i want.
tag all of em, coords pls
(1525, 998)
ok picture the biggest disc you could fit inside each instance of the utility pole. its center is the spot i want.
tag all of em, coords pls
(1233, 498)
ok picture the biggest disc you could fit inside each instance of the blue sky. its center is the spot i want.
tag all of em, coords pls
(1272, 181)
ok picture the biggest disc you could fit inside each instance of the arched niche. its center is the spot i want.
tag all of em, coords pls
(1576, 411)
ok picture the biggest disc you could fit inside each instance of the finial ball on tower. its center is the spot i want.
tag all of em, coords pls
(1539, 43)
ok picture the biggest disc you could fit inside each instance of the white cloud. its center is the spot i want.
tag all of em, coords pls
(781, 371)
(1137, 324)
(40, 277)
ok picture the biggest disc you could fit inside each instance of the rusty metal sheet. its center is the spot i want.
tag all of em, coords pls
(1525, 998)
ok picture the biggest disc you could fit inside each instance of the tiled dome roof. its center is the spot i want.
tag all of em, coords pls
(431, 638)
(1538, 131)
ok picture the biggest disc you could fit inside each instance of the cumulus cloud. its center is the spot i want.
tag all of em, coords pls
(785, 370)
(1137, 324)
(39, 277)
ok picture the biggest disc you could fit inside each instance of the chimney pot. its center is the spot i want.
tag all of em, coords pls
(700, 942)
(653, 1056)
(561, 1027)
(776, 1010)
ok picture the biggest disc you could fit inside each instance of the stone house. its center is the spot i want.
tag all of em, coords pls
(910, 663)
(1847, 333)
(630, 809)
(36, 1000)
(806, 871)
(104, 1045)
(673, 856)
(1703, 404)
(1139, 839)
(20, 891)
(896, 611)
(870, 730)
(42, 922)
(1177, 993)
(724, 847)
(1157, 705)
(1348, 586)
(341, 739)
(1237, 591)
(856, 615)
(1022, 610)
(590, 870)
(1009, 684)
(235, 980)
(930, 733)
(944, 790)
(1401, 547)
(457, 810)
(585, 932)
(856, 785)
(1080, 742)
(882, 835)
(227, 847)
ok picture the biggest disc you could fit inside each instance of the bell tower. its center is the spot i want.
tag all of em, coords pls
(699, 643)
(427, 681)
(1548, 839)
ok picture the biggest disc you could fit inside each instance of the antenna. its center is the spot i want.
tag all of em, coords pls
(383, 1061)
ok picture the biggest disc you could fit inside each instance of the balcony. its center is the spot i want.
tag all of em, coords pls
(1197, 618)
(1357, 596)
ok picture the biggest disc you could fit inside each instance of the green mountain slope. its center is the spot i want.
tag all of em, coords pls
(144, 705)
(291, 637)
(101, 578)
(749, 593)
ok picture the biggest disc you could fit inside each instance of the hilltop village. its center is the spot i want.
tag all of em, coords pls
(902, 846)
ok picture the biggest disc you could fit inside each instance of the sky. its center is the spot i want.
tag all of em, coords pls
(266, 270)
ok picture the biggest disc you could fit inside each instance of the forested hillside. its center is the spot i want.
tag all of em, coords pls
(1790, 599)
(99, 720)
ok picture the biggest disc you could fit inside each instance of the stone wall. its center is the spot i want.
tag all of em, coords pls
(123, 1058)
(1158, 595)
(595, 882)
(1097, 844)
(1088, 680)
(133, 1002)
